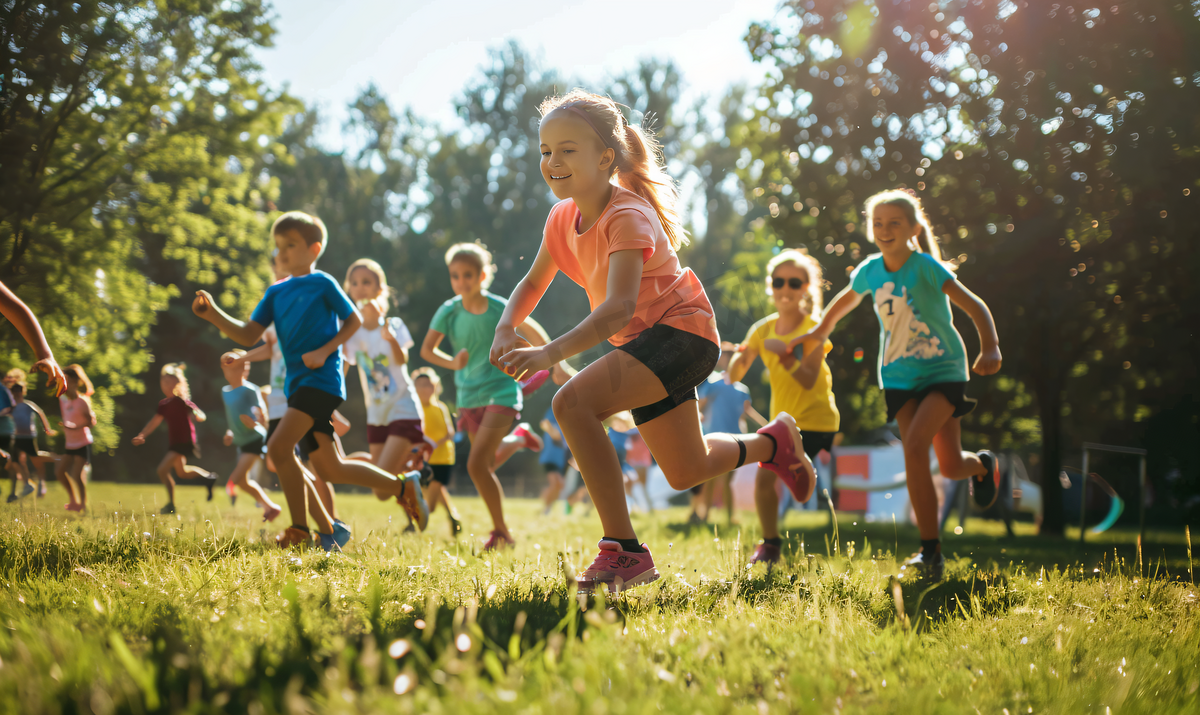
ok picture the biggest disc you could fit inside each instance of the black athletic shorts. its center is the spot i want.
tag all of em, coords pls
(955, 392)
(257, 447)
(85, 451)
(301, 449)
(28, 445)
(548, 467)
(319, 405)
(679, 359)
(814, 442)
(187, 449)
(442, 473)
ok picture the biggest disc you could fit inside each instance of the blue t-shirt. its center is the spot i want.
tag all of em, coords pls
(724, 404)
(6, 421)
(306, 311)
(553, 453)
(918, 344)
(238, 401)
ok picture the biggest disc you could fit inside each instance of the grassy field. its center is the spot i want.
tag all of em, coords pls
(123, 611)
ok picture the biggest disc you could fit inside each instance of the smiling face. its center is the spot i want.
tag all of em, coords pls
(296, 257)
(575, 161)
(425, 389)
(892, 231)
(787, 297)
(364, 285)
(465, 278)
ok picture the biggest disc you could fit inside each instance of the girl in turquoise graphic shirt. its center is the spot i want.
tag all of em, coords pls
(922, 362)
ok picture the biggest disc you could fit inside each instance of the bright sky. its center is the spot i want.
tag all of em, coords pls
(422, 53)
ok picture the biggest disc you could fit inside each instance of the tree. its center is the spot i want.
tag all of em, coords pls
(130, 134)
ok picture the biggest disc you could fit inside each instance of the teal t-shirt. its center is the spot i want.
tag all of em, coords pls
(238, 401)
(918, 344)
(480, 383)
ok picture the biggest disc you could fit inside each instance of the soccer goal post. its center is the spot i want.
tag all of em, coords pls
(1088, 448)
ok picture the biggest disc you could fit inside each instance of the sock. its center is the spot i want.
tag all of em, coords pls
(303, 528)
(930, 546)
(775, 448)
(776, 541)
(630, 545)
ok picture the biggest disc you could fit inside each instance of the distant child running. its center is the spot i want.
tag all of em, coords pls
(380, 350)
(181, 416)
(25, 456)
(306, 310)
(922, 360)
(801, 382)
(488, 400)
(246, 415)
(439, 434)
(615, 233)
(77, 421)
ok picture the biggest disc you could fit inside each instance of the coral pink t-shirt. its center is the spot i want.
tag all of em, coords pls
(669, 294)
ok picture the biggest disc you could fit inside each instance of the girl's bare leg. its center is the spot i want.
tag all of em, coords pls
(481, 465)
(60, 473)
(376, 451)
(952, 460)
(554, 487)
(77, 467)
(323, 490)
(919, 423)
(188, 471)
(766, 502)
(241, 478)
(618, 382)
(334, 468)
(726, 481)
(282, 449)
(509, 446)
(164, 474)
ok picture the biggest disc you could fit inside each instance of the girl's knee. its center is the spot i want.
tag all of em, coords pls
(675, 478)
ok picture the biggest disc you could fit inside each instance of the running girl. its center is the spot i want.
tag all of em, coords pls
(488, 400)
(439, 434)
(922, 361)
(25, 456)
(181, 415)
(77, 421)
(801, 382)
(246, 415)
(380, 350)
(615, 232)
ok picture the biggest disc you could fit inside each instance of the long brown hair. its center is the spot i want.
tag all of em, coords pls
(639, 162)
(911, 206)
(85, 385)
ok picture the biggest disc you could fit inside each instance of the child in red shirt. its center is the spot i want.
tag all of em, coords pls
(180, 414)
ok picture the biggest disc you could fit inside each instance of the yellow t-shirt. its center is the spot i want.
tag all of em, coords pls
(814, 409)
(437, 427)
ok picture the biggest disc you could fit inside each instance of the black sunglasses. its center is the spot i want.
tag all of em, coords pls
(793, 283)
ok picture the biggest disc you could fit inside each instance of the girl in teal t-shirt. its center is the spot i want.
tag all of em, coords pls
(922, 362)
(487, 400)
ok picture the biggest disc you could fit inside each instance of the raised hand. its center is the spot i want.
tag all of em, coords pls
(54, 374)
(988, 361)
(202, 303)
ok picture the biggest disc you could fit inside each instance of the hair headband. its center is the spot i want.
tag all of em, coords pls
(584, 115)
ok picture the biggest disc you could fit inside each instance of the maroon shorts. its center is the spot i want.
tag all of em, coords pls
(470, 419)
(405, 429)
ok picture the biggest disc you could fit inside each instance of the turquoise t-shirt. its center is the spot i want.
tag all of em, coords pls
(238, 401)
(480, 383)
(918, 344)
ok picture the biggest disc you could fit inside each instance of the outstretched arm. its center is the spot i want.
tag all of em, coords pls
(140, 437)
(989, 359)
(524, 299)
(50, 432)
(247, 333)
(845, 302)
(27, 324)
(434, 356)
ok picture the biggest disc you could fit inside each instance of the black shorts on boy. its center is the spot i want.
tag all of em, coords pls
(319, 405)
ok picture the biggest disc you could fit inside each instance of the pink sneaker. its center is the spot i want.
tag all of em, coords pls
(619, 569)
(765, 554)
(790, 462)
(272, 513)
(497, 541)
(533, 442)
(530, 386)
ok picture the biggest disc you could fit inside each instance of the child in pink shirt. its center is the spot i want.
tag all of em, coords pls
(615, 233)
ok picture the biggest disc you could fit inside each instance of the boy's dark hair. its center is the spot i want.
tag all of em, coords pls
(18, 387)
(311, 228)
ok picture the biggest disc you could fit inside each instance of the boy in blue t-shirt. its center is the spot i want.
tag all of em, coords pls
(246, 416)
(306, 308)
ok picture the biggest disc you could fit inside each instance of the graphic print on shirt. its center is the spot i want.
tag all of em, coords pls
(907, 336)
(379, 377)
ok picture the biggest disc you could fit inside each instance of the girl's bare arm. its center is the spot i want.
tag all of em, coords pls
(432, 355)
(521, 303)
(989, 359)
(845, 302)
(620, 303)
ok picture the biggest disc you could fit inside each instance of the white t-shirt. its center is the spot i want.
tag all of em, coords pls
(276, 401)
(387, 387)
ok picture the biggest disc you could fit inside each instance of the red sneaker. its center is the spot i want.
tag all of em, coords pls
(766, 554)
(497, 541)
(790, 462)
(531, 385)
(533, 441)
(619, 569)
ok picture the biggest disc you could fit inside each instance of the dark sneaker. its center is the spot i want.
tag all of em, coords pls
(767, 554)
(455, 526)
(12, 497)
(168, 509)
(985, 488)
(208, 484)
(930, 568)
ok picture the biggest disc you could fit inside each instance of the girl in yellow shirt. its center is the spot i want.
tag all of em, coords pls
(440, 437)
(801, 382)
